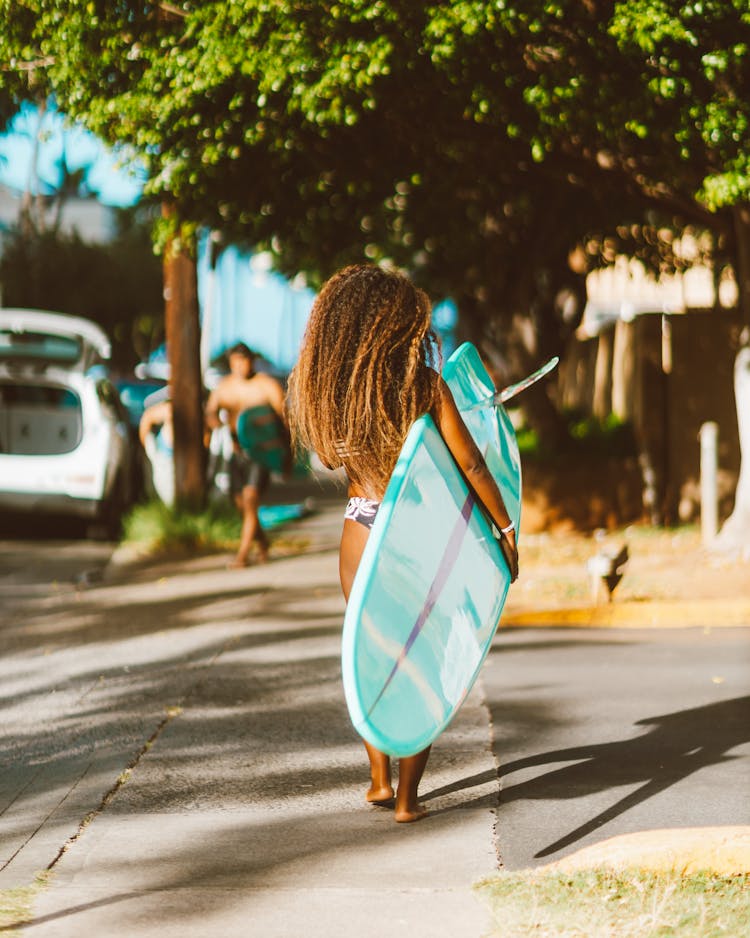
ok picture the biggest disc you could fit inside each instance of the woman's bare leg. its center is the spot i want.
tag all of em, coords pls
(381, 790)
(353, 540)
(410, 772)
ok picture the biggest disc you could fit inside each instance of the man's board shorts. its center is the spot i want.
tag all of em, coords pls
(247, 473)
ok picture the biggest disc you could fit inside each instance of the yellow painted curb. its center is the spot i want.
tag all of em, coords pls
(721, 850)
(663, 614)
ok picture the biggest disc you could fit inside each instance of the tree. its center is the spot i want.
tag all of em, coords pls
(35, 45)
(478, 144)
(328, 131)
(22, 72)
(433, 135)
(673, 119)
(696, 60)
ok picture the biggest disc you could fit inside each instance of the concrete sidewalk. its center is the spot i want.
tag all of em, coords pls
(178, 748)
(183, 760)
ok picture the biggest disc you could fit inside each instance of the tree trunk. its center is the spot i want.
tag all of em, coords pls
(182, 327)
(735, 534)
(602, 405)
(742, 235)
(623, 370)
(650, 415)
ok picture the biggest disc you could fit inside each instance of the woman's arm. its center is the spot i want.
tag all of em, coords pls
(470, 461)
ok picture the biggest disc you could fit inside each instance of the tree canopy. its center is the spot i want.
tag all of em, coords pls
(474, 142)
(497, 149)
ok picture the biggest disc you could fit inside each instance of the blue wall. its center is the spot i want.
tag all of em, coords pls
(245, 301)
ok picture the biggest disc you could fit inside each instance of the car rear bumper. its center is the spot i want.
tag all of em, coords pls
(49, 502)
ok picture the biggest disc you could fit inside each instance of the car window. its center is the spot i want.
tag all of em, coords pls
(39, 346)
(39, 420)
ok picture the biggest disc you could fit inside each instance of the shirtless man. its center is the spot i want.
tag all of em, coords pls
(242, 388)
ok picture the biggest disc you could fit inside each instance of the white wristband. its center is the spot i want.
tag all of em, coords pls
(511, 527)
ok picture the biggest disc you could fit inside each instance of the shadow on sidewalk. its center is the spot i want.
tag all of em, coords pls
(677, 745)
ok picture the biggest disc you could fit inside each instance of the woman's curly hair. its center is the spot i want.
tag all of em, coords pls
(363, 375)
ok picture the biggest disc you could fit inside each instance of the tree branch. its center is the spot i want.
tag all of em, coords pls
(15, 66)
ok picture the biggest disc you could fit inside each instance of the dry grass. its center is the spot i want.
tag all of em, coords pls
(600, 903)
(662, 561)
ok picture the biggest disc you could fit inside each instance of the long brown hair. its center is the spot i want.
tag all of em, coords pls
(363, 374)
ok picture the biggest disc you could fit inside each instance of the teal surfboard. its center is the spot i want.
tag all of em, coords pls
(274, 516)
(262, 436)
(432, 581)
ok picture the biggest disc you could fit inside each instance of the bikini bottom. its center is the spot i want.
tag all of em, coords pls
(362, 510)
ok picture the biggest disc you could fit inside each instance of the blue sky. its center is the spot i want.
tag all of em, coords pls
(114, 177)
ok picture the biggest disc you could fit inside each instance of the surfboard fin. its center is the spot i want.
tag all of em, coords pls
(501, 397)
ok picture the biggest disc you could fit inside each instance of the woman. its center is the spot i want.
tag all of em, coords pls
(365, 374)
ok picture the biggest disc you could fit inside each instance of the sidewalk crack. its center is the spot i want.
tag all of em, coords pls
(46, 818)
(172, 712)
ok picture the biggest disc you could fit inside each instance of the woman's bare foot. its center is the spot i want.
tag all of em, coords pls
(382, 794)
(410, 770)
(406, 815)
(380, 790)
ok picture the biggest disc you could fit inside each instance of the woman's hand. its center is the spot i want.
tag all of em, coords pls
(510, 552)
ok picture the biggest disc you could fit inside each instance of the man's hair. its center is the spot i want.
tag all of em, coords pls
(363, 374)
(239, 348)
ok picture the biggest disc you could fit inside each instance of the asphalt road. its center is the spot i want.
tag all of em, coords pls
(44, 563)
(605, 732)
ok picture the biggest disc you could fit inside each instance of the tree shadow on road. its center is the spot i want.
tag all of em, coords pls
(676, 746)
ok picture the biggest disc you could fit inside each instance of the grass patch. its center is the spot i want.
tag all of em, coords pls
(155, 528)
(16, 905)
(624, 904)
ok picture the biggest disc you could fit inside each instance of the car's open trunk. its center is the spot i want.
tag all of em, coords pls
(39, 419)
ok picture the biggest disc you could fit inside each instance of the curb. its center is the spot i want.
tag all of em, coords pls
(724, 851)
(667, 614)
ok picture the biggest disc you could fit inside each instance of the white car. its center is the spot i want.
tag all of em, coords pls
(65, 445)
